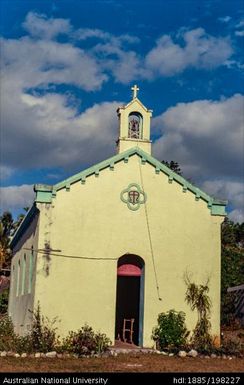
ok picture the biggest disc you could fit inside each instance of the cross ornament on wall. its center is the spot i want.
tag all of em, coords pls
(135, 89)
(133, 196)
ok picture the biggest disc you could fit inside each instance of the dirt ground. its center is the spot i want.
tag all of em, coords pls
(122, 363)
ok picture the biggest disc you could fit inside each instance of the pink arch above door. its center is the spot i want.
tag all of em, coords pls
(129, 270)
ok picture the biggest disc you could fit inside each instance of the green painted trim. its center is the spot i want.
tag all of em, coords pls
(210, 203)
(43, 187)
(43, 193)
(157, 170)
(218, 210)
(43, 197)
(184, 189)
(97, 167)
(30, 215)
(142, 196)
(143, 160)
(159, 167)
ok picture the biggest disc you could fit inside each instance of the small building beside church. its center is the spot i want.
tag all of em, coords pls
(114, 242)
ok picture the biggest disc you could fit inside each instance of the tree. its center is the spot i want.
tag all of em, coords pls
(232, 265)
(6, 228)
(174, 166)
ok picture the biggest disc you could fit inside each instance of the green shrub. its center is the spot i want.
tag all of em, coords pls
(232, 347)
(22, 344)
(4, 301)
(7, 335)
(171, 331)
(42, 336)
(198, 299)
(85, 342)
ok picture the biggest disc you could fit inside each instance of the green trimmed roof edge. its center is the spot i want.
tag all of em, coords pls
(217, 206)
(24, 225)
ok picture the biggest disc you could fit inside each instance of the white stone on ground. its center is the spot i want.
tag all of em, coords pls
(192, 353)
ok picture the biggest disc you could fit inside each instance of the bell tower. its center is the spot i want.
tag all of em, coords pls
(134, 125)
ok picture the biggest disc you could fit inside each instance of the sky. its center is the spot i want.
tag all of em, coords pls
(66, 66)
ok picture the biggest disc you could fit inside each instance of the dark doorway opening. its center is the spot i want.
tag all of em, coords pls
(128, 294)
(130, 298)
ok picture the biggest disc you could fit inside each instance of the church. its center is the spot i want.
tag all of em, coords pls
(110, 246)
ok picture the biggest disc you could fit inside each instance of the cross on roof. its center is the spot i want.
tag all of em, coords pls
(135, 89)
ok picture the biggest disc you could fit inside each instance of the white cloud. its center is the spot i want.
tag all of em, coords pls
(237, 215)
(232, 191)
(224, 19)
(15, 197)
(239, 33)
(124, 65)
(5, 172)
(199, 50)
(87, 33)
(206, 138)
(240, 24)
(28, 63)
(46, 131)
(38, 60)
(45, 28)
(44, 128)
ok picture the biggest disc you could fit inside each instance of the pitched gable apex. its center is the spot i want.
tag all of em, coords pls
(44, 193)
(134, 101)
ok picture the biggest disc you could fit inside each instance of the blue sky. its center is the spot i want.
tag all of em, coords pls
(68, 65)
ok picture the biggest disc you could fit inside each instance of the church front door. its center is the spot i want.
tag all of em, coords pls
(129, 299)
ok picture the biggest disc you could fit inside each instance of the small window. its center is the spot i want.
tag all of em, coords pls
(31, 268)
(18, 280)
(135, 125)
(23, 275)
(13, 280)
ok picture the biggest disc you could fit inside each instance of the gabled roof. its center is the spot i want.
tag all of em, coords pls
(132, 102)
(45, 193)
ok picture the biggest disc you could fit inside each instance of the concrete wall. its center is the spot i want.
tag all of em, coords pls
(90, 221)
(22, 286)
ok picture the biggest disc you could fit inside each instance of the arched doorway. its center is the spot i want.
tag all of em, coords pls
(130, 296)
